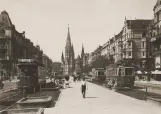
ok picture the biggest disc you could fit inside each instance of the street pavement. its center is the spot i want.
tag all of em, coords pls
(99, 100)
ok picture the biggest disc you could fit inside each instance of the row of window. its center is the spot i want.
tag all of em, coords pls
(142, 54)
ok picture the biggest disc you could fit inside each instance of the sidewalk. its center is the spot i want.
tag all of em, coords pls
(99, 101)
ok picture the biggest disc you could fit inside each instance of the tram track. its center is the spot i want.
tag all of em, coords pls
(7, 99)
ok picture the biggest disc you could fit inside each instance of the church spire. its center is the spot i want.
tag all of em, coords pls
(72, 48)
(68, 41)
(62, 58)
(82, 54)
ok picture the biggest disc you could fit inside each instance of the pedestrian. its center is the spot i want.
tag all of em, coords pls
(83, 87)
(74, 78)
(1, 84)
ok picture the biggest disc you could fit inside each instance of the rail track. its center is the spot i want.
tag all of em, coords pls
(9, 98)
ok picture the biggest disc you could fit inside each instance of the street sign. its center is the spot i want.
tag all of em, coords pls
(25, 60)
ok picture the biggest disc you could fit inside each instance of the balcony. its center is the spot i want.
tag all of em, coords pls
(3, 47)
(158, 36)
(155, 52)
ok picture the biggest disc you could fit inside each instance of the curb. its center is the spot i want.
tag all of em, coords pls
(154, 101)
(7, 90)
(57, 102)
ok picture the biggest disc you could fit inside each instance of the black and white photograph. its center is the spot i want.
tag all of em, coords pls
(80, 56)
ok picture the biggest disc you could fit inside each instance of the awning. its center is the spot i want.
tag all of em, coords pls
(140, 72)
(156, 72)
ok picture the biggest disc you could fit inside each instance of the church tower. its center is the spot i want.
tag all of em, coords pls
(69, 56)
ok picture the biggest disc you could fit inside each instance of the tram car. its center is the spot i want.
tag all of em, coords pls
(98, 75)
(31, 74)
(120, 77)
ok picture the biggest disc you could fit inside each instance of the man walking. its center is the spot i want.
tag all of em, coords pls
(83, 87)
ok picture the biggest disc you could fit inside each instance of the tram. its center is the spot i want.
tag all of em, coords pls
(31, 74)
(98, 75)
(120, 77)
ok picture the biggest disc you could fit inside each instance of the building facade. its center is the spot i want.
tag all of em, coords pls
(154, 32)
(78, 67)
(130, 46)
(56, 66)
(14, 46)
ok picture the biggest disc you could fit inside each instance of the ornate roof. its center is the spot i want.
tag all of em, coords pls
(5, 20)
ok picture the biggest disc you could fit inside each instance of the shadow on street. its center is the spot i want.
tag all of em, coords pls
(92, 97)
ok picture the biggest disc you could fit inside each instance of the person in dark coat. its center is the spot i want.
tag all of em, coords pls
(1, 84)
(83, 87)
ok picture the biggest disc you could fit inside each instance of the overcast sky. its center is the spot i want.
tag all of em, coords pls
(92, 22)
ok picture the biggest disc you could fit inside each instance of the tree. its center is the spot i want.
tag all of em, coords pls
(101, 62)
(87, 68)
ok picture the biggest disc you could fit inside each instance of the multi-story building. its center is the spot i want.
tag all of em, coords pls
(85, 59)
(104, 49)
(154, 32)
(78, 69)
(47, 65)
(135, 44)
(130, 46)
(56, 66)
(119, 46)
(14, 46)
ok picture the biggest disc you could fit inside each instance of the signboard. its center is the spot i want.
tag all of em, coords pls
(25, 60)
(137, 35)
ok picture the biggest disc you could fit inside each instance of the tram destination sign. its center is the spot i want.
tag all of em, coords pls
(25, 60)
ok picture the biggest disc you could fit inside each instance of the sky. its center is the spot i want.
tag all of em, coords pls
(91, 22)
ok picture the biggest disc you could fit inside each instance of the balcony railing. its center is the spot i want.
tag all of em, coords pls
(154, 38)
